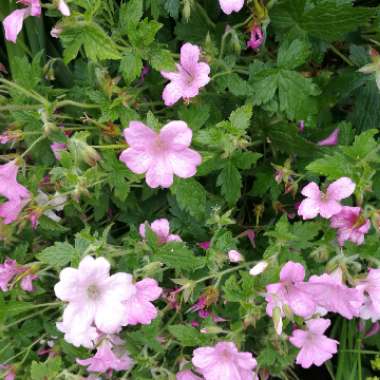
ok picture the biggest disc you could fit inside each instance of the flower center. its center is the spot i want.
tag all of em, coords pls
(93, 292)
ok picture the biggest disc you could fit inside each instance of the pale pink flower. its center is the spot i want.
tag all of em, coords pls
(326, 204)
(187, 375)
(224, 361)
(316, 348)
(370, 287)
(106, 359)
(229, 6)
(258, 268)
(290, 292)
(4, 138)
(161, 228)
(13, 22)
(257, 38)
(190, 76)
(160, 155)
(57, 148)
(138, 308)
(63, 8)
(235, 256)
(330, 140)
(8, 271)
(351, 225)
(55, 33)
(27, 282)
(330, 293)
(94, 297)
(9, 372)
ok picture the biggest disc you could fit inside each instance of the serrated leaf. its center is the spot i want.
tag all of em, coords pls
(241, 117)
(162, 60)
(293, 53)
(365, 147)
(230, 182)
(177, 256)
(186, 335)
(333, 167)
(130, 66)
(191, 196)
(245, 160)
(58, 255)
(47, 370)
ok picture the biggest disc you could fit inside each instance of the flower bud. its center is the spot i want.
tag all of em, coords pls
(79, 147)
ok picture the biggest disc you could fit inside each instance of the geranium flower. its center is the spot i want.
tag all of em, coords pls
(235, 256)
(8, 271)
(138, 308)
(351, 225)
(326, 204)
(161, 228)
(187, 375)
(229, 6)
(224, 361)
(94, 297)
(370, 287)
(160, 155)
(190, 76)
(330, 140)
(316, 348)
(257, 37)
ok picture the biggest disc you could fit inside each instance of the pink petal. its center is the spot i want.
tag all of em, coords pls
(63, 8)
(159, 174)
(331, 140)
(13, 23)
(308, 209)
(161, 228)
(139, 136)
(341, 188)
(148, 289)
(229, 6)
(137, 160)
(292, 271)
(176, 135)
(172, 93)
(311, 191)
(329, 208)
(184, 163)
(189, 56)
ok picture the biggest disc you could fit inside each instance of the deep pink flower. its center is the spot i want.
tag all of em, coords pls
(301, 125)
(289, 292)
(57, 148)
(326, 204)
(224, 361)
(13, 22)
(187, 375)
(331, 140)
(370, 287)
(235, 256)
(351, 225)
(106, 359)
(138, 308)
(204, 245)
(160, 155)
(161, 228)
(9, 372)
(257, 38)
(8, 270)
(229, 6)
(331, 294)
(95, 300)
(316, 348)
(27, 282)
(190, 76)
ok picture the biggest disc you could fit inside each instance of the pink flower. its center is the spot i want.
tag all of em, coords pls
(63, 8)
(138, 308)
(190, 76)
(9, 372)
(204, 245)
(224, 361)
(370, 287)
(257, 38)
(55, 33)
(289, 292)
(235, 256)
(160, 155)
(161, 228)
(8, 270)
(94, 297)
(301, 125)
(27, 282)
(331, 140)
(331, 294)
(316, 348)
(326, 204)
(13, 22)
(187, 375)
(351, 225)
(57, 148)
(229, 6)
(105, 359)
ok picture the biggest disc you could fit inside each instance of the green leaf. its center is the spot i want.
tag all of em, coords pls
(245, 160)
(130, 14)
(241, 117)
(195, 115)
(191, 196)
(293, 53)
(172, 7)
(176, 255)
(47, 370)
(188, 336)
(230, 181)
(96, 43)
(130, 66)
(333, 167)
(162, 60)
(58, 255)
(365, 147)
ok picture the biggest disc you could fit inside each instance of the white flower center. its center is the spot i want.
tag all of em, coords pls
(93, 292)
